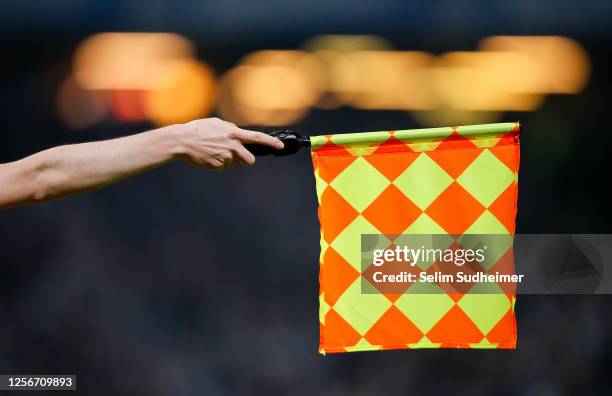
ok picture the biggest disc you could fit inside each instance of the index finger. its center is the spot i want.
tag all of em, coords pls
(246, 136)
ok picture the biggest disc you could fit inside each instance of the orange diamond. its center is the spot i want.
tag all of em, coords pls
(455, 327)
(338, 333)
(391, 212)
(335, 214)
(331, 167)
(504, 208)
(455, 141)
(508, 154)
(455, 209)
(337, 275)
(454, 162)
(393, 145)
(392, 164)
(393, 328)
(504, 331)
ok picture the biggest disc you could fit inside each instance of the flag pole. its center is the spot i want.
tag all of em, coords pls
(295, 141)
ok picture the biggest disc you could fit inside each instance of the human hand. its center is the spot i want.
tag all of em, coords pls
(216, 144)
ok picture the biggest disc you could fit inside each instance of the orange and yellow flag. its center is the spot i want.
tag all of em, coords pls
(455, 180)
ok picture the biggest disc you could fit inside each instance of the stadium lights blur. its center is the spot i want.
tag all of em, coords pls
(477, 81)
(340, 73)
(507, 74)
(154, 76)
(113, 61)
(561, 64)
(391, 80)
(136, 77)
(271, 88)
(184, 90)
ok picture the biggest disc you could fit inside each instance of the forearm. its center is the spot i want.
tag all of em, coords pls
(70, 169)
(210, 143)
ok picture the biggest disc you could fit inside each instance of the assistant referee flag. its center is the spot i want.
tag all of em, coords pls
(454, 180)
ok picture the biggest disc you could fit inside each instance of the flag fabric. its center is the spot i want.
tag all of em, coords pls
(454, 180)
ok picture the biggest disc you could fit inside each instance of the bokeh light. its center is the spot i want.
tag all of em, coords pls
(392, 80)
(156, 77)
(485, 81)
(127, 60)
(340, 75)
(136, 77)
(560, 64)
(271, 88)
(185, 90)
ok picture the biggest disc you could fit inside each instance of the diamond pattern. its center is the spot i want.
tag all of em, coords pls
(338, 275)
(338, 332)
(486, 178)
(466, 209)
(392, 164)
(498, 208)
(330, 169)
(425, 304)
(393, 146)
(393, 328)
(360, 310)
(360, 183)
(393, 221)
(454, 162)
(486, 224)
(505, 154)
(499, 334)
(321, 185)
(485, 309)
(424, 225)
(349, 241)
(460, 180)
(455, 328)
(323, 308)
(423, 181)
(335, 213)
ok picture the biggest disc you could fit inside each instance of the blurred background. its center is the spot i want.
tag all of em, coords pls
(186, 282)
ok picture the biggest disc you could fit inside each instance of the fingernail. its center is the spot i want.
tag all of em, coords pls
(280, 144)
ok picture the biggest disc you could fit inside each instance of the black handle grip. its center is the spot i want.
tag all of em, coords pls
(293, 142)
